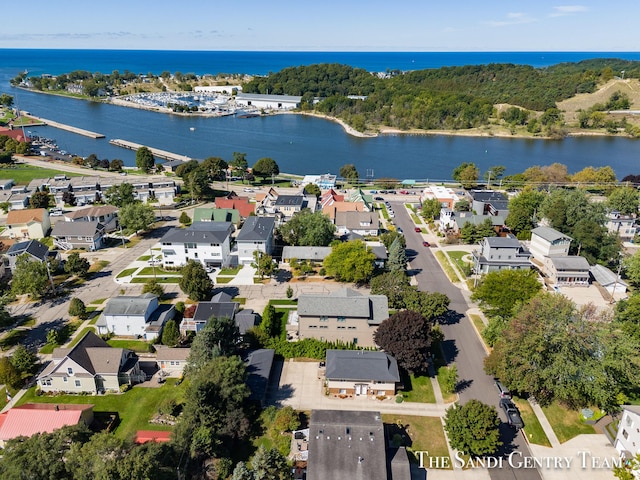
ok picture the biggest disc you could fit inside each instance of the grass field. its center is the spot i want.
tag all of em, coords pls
(446, 266)
(566, 423)
(159, 279)
(421, 390)
(158, 271)
(135, 407)
(23, 174)
(230, 271)
(134, 345)
(126, 272)
(425, 433)
(532, 428)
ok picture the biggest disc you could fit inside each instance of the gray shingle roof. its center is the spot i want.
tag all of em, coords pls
(306, 253)
(79, 229)
(503, 242)
(549, 234)
(200, 232)
(256, 229)
(346, 303)
(32, 247)
(571, 262)
(259, 363)
(289, 200)
(361, 365)
(124, 305)
(487, 196)
(164, 353)
(206, 310)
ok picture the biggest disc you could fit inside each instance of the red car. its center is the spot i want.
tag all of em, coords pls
(418, 230)
(426, 244)
(403, 192)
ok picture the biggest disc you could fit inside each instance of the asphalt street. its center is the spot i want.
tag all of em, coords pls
(462, 345)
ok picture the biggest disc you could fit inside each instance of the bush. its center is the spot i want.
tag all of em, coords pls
(289, 292)
(448, 378)
(77, 308)
(167, 407)
(180, 307)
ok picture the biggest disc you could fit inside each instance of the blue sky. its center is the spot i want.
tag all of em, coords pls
(331, 25)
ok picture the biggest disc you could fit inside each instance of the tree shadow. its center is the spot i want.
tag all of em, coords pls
(232, 291)
(462, 385)
(283, 276)
(37, 336)
(449, 351)
(508, 435)
(451, 317)
(413, 272)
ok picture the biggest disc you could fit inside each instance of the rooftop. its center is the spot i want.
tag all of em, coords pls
(361, 365)
(549, 234)
(256, 229)
(16, 217)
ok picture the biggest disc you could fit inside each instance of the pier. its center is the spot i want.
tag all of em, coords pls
(155, 151)
(68, 128)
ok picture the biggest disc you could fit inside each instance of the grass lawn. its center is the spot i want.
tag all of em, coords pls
(532, 428)
(446, 266)
(129, 242)
(425, 433)
(421, 390)
(385, 214)
(416, 219)
(97, 266)
(149, 271)
(230, 271)
(81, 334)
(135, 345)
(98, 301)
(159, 279)
(135, 407)
(23, 174)
(126, 272)
(478, 323)
(223, 280)
(566, 423)
(275, 302)
(456, 258)
(447, 397)
(144, 258)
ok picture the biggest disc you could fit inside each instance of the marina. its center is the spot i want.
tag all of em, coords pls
(156, 151)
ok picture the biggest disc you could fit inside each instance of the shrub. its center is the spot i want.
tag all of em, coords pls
(289, 292)
(77, 308)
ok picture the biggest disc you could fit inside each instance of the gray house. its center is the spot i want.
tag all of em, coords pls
(489, 202)
(139, 316)
(219, 306)
(256, 234)
(34, 249)
(361, 372)
(499, 253)
(86, 235)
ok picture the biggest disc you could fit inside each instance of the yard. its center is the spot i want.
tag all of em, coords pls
(418, 389)
(532, 428)
(425, 434)
(135, 408)
(23, 174)
(138, 346)
(457, 259)
(446, 266)
(566, 423)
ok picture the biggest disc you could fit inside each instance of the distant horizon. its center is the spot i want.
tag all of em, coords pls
(302, 50)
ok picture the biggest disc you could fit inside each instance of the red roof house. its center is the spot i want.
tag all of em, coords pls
(31, 418)
(233, 201)
(15, 133)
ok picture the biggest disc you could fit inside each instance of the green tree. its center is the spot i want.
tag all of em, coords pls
(9, 374)
(120, 195)
(406, 336)
(6, 100)
(522, 211)
(431, 209)
(269, 324)
(183, 170)
(429, 304)
(30, 277)
(184, 219)
(499, 292)
(144, 159)
(270, 465)
(77, 265)
(265, 167)
(197, 182)
(350, 262)
(215, 168)
(263, 263)
(312, 189)
(473, 428)
(308, 229)
(239, 164)
(624, 200)
(219, 336)
(195, 282)
(471, 233)
(392, 285)
(24, 359)
(462, 206)
(137, 216)
(53, 337)
(241, 472)
(350, 173)
(39, 200)
(467, 174)
(116, 165)
(494, 173)
(397, 260)
(632, 268)
(152, 286)
(78, 309)
(448, 377)
(388, 238)
(171, 334)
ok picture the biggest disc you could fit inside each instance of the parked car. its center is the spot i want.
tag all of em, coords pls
(378, 199)
(418, 230)
(426, 244)
(504, 391)
(513, 414)
(400, 230)
(373, 191)
(403, 192)
(55, 212)
(154, 261)
(248, 190)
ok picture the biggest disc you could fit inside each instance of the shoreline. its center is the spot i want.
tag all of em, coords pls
(488, 133)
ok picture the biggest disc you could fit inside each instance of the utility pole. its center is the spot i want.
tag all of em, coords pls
(613, 292)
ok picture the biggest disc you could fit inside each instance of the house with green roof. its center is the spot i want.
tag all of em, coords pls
(204, 214)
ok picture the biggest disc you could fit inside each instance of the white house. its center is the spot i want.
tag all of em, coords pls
(360, 223)
(139, 316)
(623, 225)
(256, 234)
(206, 242)
(498, 253)
(627, 441)
(548, 242)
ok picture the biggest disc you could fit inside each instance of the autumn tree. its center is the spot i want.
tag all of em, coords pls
(406, 336)
(467, 174)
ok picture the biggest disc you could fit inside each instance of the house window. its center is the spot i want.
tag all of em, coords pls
(313, 326)
(324, 318)
(342, 319)
(625, 434)
(351, 328)
(64, 379)
(343, 391)
(341, 327)
(70, 371)
(381, 392)
(324, 326)
(46, 382)
(78, 383)
(355, 340)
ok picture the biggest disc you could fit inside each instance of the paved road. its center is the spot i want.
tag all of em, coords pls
(461, 344)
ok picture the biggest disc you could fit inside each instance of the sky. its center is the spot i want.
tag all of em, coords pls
(329, 25)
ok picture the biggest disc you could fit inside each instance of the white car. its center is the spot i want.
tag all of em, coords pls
(154, 261)
(248, 190)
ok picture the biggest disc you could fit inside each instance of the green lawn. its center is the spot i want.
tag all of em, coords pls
(275, 302)
(230, 271)
(144, 258)
(98, 301)
(223, 280)
(159, 279)
(446, 266)
(23, 174)
(478, 323)
(135, 407)
(126, 272)
(448, 398)
(566, 423)
(456, 258)
(159, 270)
(421, 390)
(425, 433)
(532, 428)
(139, 346)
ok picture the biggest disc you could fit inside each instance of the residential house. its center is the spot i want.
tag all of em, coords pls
(220, 306)
(361, 372)
(283, 207)
(332, 210)
(627, 441)
(361, 223)
(330, 197)
(84, 235)
(31, 418)
(489, 202)
(138, 316)
(31, 223)
(324, 182)
(165, 196)
(91, 366)
(107, 215)
(33, 248)
(314, 254)
(233, 201)
(86, 190)
(446, 196)
(498, 253)
(6, 184)
(172, 361)
(608, 280)
(203, 214)
(341, 316)
(172, 166)
(357, 196)
(246, 319)
(569, 271)
(352, 444)
(255, 235)
(451, 222)
(624, 225)
(548, 242)
(259, 365)
(206, 242)
(18, 201)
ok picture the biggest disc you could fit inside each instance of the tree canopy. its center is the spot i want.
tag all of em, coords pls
(265, 167)
(308, 229)
(77, 265)
(350, 262)
(120, 195)
(218, 337)
(473, 428)
(137, 216)
(195, 282)
(144, 159)
(30, 276)
(501, 291)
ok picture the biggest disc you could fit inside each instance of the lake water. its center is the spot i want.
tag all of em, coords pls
(298, 144)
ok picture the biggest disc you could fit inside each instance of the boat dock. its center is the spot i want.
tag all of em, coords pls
(156, 152)
(68, 128)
